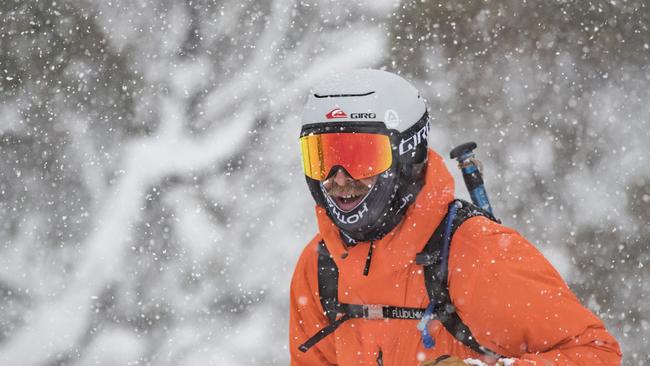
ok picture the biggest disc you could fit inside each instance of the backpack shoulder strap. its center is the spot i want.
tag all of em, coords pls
(434, 260)
(328, 282)
(328, 288)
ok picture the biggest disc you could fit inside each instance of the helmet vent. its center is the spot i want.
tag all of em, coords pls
(343, 95)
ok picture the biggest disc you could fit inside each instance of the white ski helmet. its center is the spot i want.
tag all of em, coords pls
(367, 105)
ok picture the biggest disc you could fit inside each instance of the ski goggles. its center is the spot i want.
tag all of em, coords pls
(361, 154)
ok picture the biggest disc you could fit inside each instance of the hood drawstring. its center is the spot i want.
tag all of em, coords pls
(368, 259)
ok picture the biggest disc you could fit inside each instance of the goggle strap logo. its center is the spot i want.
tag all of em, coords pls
(409, 144)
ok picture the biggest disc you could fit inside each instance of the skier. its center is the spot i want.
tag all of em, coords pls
(401, 273)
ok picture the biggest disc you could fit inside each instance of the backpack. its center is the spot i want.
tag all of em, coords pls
(434, 260)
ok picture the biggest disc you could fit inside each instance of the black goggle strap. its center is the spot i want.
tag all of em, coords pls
(413, 137)
(342, 127)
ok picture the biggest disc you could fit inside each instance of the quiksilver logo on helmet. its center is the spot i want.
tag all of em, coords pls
(339, 113)
(336, 113)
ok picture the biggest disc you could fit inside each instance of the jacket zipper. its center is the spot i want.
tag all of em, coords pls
(366, 269)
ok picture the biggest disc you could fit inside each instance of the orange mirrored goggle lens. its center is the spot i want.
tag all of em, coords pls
(361, 154)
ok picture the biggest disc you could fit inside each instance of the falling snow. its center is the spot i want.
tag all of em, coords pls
(151, 195)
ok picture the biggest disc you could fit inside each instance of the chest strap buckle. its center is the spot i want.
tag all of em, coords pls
(373, 311)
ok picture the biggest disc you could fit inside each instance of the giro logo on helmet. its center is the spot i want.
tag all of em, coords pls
(336, 113)
(363, 115)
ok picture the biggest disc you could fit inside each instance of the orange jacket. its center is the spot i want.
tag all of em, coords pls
(508, 294)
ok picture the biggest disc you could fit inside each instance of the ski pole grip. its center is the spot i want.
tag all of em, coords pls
(460, 151)
(464, 154)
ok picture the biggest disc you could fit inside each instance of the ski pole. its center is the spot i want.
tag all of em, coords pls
(470, 166)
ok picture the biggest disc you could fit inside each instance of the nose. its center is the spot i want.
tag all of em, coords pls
(342, 178)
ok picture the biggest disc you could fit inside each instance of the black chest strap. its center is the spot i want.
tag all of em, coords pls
(338, 313)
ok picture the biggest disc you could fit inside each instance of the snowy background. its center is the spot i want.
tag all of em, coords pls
(152, 204)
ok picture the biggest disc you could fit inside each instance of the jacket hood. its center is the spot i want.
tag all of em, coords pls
(399, 247)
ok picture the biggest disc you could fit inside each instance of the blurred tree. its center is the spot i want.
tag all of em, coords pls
(59, 81)
(556, 93)
(147, 160)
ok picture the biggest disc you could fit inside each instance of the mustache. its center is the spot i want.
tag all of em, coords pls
(354, 189)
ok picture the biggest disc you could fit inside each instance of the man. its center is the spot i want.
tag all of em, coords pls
(394, 277)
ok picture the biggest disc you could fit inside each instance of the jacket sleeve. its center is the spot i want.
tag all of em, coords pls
(306, 316)
(518, 305)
